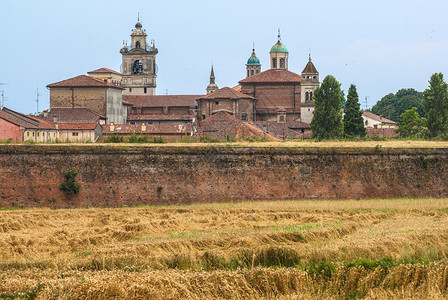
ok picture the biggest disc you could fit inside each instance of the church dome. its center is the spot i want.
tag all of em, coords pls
(138, 25)
(253, 59)
(278, 47)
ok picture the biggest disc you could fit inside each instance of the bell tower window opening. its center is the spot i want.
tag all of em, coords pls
(274, 63)
(137, 44)
(244, 116)
(251, 72)
(137, 67)
(307, 95)
(282, 63)
(247, 73)
(311, 96)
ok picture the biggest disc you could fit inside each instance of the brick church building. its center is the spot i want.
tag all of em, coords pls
(276, 101)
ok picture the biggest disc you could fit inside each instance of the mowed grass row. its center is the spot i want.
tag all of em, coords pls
(317, 249)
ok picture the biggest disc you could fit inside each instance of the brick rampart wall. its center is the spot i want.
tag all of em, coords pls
(109, 175)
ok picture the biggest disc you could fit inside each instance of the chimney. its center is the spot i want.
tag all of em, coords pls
(112, 127)
(143, 127)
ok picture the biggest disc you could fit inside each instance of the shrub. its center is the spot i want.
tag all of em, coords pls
(70, 185)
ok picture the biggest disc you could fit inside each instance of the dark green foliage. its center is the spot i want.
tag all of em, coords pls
(353, 121)
(327, 117)
(435, 103)
(134, 138)
(411, 124)
(392, 106)
(70, 185)
(114, 138)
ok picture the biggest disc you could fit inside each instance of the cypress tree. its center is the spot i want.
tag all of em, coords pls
(353, 121)
(327, 118)
(435, 104)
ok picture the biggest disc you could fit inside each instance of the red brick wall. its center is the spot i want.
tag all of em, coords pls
(10, 131)
(111, 175)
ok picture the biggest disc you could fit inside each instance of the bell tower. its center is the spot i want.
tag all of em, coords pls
(139, 64)
(253, 65)
(310, 82)
(279, 55)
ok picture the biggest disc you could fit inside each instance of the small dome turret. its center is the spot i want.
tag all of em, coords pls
(279, 47)
(138, 25)
(253, 59)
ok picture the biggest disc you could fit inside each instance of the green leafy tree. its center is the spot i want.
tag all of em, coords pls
(327, 117)
(392, 106)
(435, 103)
(411, 124)
(353, 121)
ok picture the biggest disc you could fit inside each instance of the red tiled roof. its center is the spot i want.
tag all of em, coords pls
(161, 100)
(226, 93)
(70, 114)
(372, 116)
(22, 120)
(150, 129)
(83, 81)
(222, 125)
(282, 130)
(273, 75)
(77, 126)
(137, 117)
(237, 88)
(104, 70)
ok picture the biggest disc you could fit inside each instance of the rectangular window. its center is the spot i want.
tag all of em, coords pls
(130, 90)
(74, 134)
(27, 134)
(274, 63)
(144, 90)
(282, 63)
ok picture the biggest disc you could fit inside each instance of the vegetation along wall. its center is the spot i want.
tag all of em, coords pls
(111, 175)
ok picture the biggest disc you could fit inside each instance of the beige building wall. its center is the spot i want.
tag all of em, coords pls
(89, 97)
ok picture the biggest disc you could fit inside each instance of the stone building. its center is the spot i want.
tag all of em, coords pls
(139, 69)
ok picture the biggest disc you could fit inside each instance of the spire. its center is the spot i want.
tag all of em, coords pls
(212, 76)
(212, 86)
(309, 58)
(279, 36)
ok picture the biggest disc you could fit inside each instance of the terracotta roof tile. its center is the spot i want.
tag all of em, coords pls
(273, 75)
(161, 100)
(226, 93)
(104, 70)
(279, 130)
(310, 68)
(372, 116)
(77, 126)
(83, 81)
(70, 114)
(237, 88)
(178, 129)
(222, 125)
(138, 117)
(22, 120)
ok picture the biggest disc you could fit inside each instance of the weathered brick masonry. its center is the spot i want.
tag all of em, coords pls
(109, 175)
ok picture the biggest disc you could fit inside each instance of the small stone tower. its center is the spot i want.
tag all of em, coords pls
(310, 81)
(279, 55)
(212, 86)
(139, 64)
(253, 65)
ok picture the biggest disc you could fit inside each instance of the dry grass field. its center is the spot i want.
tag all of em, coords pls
(371, 249)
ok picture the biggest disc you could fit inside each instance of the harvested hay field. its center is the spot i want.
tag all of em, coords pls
(370, 249)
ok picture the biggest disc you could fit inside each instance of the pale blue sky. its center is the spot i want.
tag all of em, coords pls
(381, 46)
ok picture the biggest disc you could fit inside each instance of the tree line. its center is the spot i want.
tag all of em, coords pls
(418, 114)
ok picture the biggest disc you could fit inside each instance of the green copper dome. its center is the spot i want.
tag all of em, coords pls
(279, 47)
(253, 59)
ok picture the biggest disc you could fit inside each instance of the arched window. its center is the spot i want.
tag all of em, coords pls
(244, 116)
(311, 96)
(282, 63)
(247, 73)
(252, 72)
(274, 63)
(137, 67)
(137, 44)
(307, 95)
